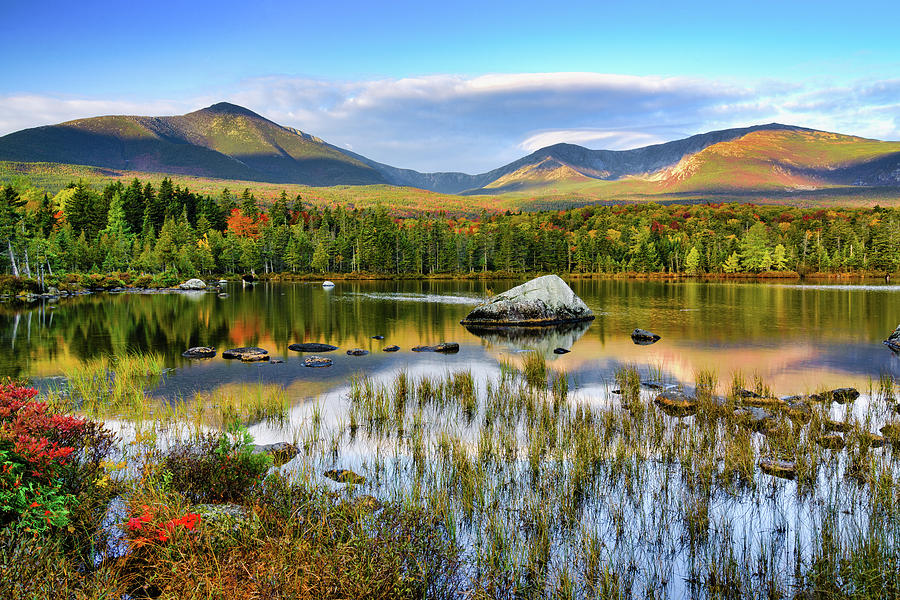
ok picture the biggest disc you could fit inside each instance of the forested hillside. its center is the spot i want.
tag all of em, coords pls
(174, 232)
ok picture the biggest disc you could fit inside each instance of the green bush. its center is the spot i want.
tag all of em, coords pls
(11, 285)
(165, 279)
(215, 468)
(142, 281)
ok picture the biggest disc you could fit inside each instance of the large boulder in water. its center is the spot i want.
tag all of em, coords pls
(893, 341)
(193, 284)
(544, 300)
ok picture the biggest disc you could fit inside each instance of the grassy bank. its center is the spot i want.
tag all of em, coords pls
(515, 486)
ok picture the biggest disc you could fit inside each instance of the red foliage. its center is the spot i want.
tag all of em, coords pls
(158, 532)
(243, 226)
(40, 437)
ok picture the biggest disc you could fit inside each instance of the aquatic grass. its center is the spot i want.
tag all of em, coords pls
(534, 369)
(545, 496)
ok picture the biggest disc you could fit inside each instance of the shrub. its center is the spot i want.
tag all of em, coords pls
(165, 279)
(215, 468)
(142, 281)
(11, 285)
(50, 463)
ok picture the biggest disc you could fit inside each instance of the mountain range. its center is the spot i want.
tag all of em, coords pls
(226, 141)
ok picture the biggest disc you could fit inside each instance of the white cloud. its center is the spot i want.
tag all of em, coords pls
(609, 140)
(473, 124)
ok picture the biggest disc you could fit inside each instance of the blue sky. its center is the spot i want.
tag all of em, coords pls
(461, 85)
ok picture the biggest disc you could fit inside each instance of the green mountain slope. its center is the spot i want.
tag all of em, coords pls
(222, 141)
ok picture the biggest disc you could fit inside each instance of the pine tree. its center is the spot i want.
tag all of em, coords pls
(732, 264)
(249, 207)
(320, 257)
(753, 248)
(692, 262)
(10, 215)
(779, 258)
(134, 205)
(78, 209)
(45, 219)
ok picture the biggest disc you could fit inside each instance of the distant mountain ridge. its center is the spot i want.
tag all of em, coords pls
(226, 141)
(222, 141)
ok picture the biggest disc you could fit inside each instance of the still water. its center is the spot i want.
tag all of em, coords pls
(798, 338)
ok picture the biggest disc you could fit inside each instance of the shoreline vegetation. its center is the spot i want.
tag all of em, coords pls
(169, 234)
(444, 486)
(29, 289)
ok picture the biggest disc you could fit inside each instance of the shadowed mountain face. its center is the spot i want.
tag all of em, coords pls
(222, 141)
(226, 141)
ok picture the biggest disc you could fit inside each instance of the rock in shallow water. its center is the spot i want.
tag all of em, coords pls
(560, 351)
(443, 347)
(642, 337)
(344, 476)
(193, 284)
(893, 341)
(247, 354)
(542, 301)
(317, 361)
(390, 348)
(199, 352)
(312, 347)
(281, 452)
(357, 352)
(779, 468)
(676, 403)
(840, 395)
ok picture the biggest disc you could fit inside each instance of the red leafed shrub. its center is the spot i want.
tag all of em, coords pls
(49, 462)
(145, 531)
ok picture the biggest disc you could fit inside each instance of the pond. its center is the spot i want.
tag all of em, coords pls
(797, 338)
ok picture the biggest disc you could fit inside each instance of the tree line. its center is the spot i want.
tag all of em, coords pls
(142, 229)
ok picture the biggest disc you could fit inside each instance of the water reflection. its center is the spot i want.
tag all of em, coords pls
(543, 340)
(797, 338)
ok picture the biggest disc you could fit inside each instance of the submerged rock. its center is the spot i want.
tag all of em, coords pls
(561, 351)
(797, 408)
(193, 284)
(873, 440)
(281, 452)
(658, 385)
(779, 468)
(443, 347)
(642, 337)
(891, 431)
(357, 352)
(756, 418)
(831, 441)
(829, 425)
(391, 348)
(840, 395)
(317, 361)
(676, 403)
(377, 337)
(893, 341)
(247, 354)
(542, 301)
(199, 352)
(344, 476)
(312, 347)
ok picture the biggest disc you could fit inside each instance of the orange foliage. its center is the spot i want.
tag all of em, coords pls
(243, 226)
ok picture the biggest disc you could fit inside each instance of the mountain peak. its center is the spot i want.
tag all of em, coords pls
(227, 108)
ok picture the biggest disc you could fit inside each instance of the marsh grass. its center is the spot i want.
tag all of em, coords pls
(520, 491)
